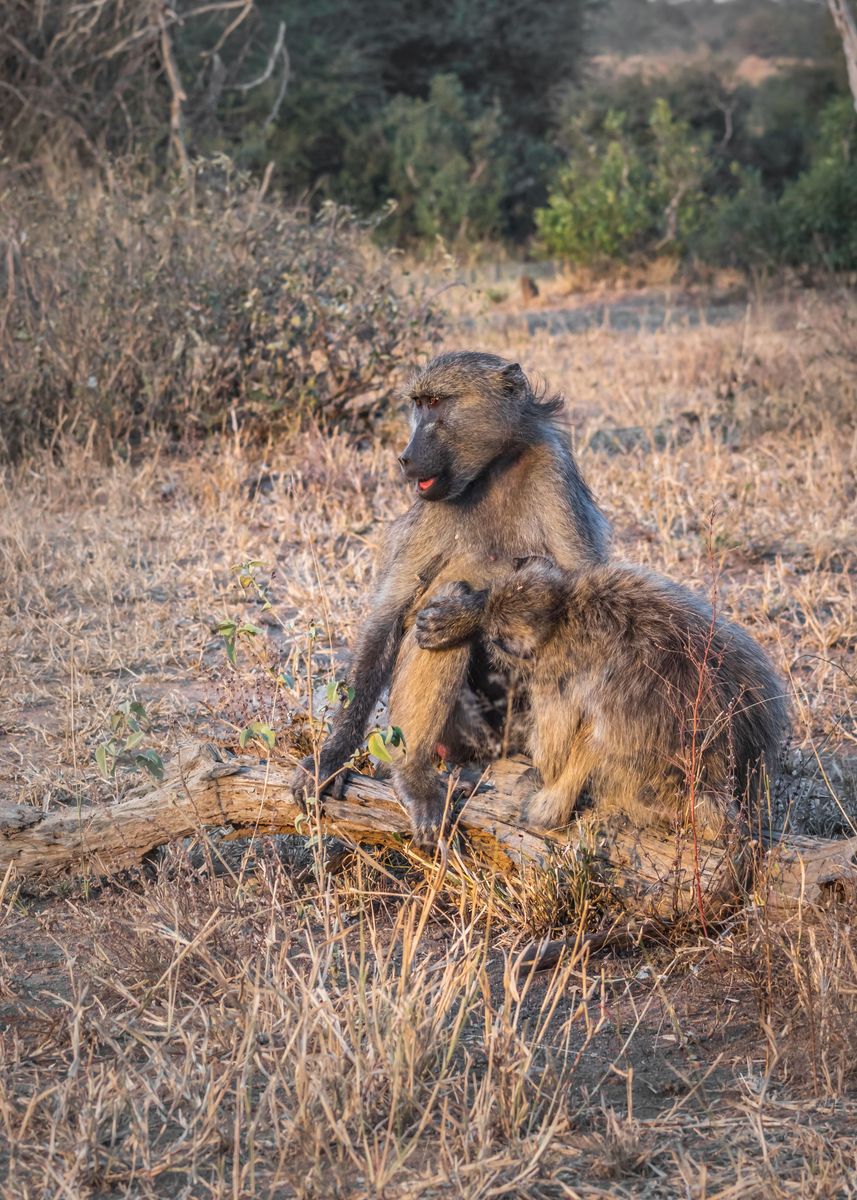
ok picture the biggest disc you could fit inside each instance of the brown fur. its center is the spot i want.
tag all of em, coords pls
(638, 691)
(506, 484)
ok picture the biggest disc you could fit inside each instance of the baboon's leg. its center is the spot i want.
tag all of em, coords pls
(553, 804)
(423, 698)
(653, 792)
(468, 735)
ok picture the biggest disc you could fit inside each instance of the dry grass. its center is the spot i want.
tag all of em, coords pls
(196, 1036)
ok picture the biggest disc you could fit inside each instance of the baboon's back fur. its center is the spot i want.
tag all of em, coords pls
(640, 694)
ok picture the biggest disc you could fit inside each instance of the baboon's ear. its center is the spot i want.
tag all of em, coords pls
(514, 379)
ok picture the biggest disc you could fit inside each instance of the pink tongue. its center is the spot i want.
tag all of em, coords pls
(425, 484)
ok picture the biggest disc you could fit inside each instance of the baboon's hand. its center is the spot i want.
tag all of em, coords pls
(452, 616)
(303, 780)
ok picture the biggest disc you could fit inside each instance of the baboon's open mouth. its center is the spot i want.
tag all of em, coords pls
(425, 484)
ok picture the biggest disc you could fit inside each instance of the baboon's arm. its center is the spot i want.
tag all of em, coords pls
(451, 617)
(370, 670)
(373, 660)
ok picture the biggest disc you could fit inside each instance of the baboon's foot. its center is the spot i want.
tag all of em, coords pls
(548, 808)
(426, 826)
(420, 795)
(528, 783)
(332, 782)
(425, 838)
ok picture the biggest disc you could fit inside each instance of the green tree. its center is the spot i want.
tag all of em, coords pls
(619, 195)
(818, 212)
(446, 167)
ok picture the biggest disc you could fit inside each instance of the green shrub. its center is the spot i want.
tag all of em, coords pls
(440, 159)
(741, 230)
(191, 309)
(811, 223)
(598, 209)
(818, 212)
(446, 166)
(620, 195)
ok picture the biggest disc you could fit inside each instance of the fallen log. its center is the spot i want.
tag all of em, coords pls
(653, 874)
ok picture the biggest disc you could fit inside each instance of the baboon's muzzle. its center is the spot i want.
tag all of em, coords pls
(425, 466)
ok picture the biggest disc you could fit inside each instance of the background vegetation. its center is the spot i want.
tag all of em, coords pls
(471, 121)
(210, 220)
(191, 308)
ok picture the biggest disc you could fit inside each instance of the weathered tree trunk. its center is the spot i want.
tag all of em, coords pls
(652, 875)
(846, 27)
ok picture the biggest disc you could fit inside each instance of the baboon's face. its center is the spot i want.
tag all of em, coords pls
(464, 412)
(523, 614)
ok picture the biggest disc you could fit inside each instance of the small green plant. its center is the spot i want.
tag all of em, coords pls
(124, 748)
(381, 741)
(230, 631)
(248, 577)
(257, 731)
(337, 689)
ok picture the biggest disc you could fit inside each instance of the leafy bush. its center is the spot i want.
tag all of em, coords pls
(444, 166)
(190, 309)
(810, 223)
(597, 209)
(741, 230)
(619, 194)
(817, 211)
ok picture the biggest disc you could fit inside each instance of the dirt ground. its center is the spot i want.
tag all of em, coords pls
(184, 1033)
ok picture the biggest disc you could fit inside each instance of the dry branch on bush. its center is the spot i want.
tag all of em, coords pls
(647, 873)
(126, 310)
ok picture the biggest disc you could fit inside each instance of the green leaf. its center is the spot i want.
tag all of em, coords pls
(248, 629)
(132, 742)
(267, 735)
(257, 729)
(152, 762)
(338, 690)
(227, 630)
(101, 761)
(377, 748)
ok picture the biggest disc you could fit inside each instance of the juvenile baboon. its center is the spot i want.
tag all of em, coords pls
(494, 479)
(637, 689)
(529, 288)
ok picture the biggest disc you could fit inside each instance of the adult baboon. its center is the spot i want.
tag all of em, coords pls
(494, 479)
(638, 690)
